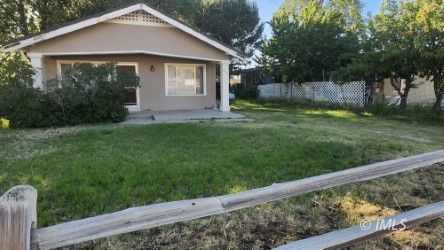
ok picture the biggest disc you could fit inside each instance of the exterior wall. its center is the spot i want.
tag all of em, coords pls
(152, 84)
(112, 38)
(423, 94)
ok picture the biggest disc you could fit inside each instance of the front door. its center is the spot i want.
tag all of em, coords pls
(132, 97)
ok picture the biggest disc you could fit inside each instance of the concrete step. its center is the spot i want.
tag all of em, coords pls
(140, 116)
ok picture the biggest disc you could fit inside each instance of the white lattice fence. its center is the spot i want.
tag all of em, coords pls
(351, 93)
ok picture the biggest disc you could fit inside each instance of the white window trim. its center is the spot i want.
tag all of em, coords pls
(135, 64)
(187, 64)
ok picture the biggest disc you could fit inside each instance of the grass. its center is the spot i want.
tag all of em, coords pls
(90, 170)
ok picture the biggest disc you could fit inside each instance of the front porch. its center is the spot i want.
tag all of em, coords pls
(182, 116)
(166, 82)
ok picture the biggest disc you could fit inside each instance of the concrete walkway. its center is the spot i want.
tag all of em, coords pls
(182, 116)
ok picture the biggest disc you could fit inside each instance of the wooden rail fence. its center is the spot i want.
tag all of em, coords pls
(18, 208)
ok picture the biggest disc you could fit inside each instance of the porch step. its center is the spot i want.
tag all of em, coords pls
(190, 115)
(140, 115)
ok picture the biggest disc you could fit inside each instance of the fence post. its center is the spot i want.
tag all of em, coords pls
(18, 218)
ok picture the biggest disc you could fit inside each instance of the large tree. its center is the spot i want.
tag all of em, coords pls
(310, 41)
(349, 12)
(234, 22)
(393, 33)
(431, 40)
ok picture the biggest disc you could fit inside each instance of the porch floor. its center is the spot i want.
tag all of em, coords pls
(182, 116)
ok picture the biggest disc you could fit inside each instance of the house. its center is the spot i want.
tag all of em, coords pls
(176, 63)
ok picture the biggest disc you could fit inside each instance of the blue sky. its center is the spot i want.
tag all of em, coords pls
(268, 7)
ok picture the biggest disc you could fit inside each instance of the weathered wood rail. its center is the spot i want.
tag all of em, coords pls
(134, 219)
(347, 237)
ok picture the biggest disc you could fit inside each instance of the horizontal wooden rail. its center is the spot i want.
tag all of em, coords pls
(134, 219)
(367, 230)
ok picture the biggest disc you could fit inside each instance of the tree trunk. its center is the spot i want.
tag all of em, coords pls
(438, 86)
(403, 104)
(405, 94)
(437, 107)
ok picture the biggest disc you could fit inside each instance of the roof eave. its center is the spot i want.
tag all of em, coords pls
(20, 44)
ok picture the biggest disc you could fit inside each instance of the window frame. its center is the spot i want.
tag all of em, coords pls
(204, 67)
(135, 64)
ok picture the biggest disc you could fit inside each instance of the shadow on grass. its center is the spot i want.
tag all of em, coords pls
(413, 114)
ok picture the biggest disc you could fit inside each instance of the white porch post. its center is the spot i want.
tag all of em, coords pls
(37, 65)
(224, 86)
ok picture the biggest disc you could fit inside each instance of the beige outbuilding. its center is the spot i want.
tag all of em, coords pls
(179, 67)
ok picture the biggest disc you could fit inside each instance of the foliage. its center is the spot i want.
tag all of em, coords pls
(309, 44)
(24, 106)
(347, 12)
(4, 123)
(234, 22)
(431, 40)
(93, 94)
(18, 100)
(245, 91)
(390, 48)
(15, 70)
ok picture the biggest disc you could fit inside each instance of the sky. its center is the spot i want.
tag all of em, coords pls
(268, 7)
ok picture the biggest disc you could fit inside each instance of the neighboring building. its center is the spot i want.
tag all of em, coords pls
(175, 62)
(422, 94)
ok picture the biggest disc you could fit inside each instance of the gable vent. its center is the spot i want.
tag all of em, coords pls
(140, 17)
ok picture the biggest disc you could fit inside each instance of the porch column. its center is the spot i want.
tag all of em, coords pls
(37, 65)
(224, 86)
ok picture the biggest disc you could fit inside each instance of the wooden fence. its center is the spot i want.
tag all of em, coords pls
(18, 209)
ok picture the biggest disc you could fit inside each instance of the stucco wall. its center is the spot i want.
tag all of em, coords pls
(108, 38)
(152, 89)
(423, 94)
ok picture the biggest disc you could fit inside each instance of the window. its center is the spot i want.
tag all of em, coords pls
(64, 67)
(185, 79)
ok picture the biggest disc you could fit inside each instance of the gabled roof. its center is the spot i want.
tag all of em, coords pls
(111, 14)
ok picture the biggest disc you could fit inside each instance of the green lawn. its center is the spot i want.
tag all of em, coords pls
(90, 170)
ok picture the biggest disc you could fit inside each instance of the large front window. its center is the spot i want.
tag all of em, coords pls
(185, 79)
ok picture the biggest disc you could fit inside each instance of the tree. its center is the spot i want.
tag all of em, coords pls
(234, 22)
(309, 43)
(13, 71)
(348, 11)
(16, 19)
(431, 40)
(391, 48)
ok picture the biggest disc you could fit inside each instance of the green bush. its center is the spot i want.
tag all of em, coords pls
(245, 91)
(89, 94)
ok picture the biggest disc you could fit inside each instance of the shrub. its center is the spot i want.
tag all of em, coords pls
(89, 94)
(245, 91)
(4, 123)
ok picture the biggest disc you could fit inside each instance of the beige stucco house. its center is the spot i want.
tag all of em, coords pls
(175, 62)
